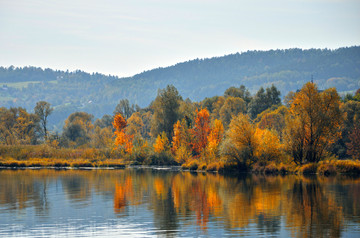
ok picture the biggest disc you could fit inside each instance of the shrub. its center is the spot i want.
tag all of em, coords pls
(163, 158)
(283, 169)
(271, 169)
(212, 167)
(348, 166)
(202, 166)
(193, 165)
(78, 164)
(310, 168)
(326, 169)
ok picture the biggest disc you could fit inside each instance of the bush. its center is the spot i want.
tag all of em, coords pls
(163, 158)
(309, 168)
(283, 169)
(348, 166)
(212, 167)
(271, 169)
(78, 164)
(326, 169)
(193, 165)
(202, 166)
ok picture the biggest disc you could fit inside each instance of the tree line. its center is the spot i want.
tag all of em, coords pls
(237, 128)
(196, 79)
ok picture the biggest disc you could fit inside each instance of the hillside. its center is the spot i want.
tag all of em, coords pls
(196, 79)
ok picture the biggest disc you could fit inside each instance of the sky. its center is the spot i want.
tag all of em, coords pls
(126, 37)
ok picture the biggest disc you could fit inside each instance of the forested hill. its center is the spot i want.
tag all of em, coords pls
(98, 94)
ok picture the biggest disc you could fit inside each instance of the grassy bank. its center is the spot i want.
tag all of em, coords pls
(47, 156)
(327, 168)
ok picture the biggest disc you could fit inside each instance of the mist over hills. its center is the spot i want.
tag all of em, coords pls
(196, 79)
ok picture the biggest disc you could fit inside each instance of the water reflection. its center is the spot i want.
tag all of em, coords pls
(150, 202)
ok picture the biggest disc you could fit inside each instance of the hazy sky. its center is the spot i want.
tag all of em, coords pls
(125, 37)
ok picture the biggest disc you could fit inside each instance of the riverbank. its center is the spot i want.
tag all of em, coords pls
(44, 156)
(326, 168)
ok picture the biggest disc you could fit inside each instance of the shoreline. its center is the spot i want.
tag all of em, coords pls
(178, 169)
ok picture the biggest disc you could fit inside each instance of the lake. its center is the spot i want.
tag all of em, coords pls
(156, 202)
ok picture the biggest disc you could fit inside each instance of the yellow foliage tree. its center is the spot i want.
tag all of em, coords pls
(214, 138)
(241, 142)
(269, 148)
(161, 143)
(135, 124)
(314, 123)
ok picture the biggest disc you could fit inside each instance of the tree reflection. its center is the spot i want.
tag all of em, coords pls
(310, 207)
(312, 210)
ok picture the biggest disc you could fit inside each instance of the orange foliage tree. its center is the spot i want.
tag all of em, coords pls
(122, 139)
(201, 130)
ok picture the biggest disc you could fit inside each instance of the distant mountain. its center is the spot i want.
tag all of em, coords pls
(98, 94)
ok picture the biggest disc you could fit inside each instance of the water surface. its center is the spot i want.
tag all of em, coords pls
(150, 202)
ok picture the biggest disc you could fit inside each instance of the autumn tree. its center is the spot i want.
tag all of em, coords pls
(269, 148)
(122, 139)
(17, 126)
(166, 111)
(161, 143)
(273, 119)
(240, 141)
(135, 125)
(7, 122)
(209, 103)
(231, 107)
(353, 147)
(217, 107)
(102, 137)
(43, 110)
(187, 111)
(314, 123)
(214, 138)
(181, 141)
(351, 112)
(201, 130)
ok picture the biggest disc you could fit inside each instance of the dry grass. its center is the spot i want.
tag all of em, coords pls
(59, 163)
(348, 166)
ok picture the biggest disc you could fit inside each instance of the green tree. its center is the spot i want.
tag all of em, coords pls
(232, 107)
(240, 92)
(263, 100)
(105, 121)
(78, 127)
(124, 108)
(166, 111)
